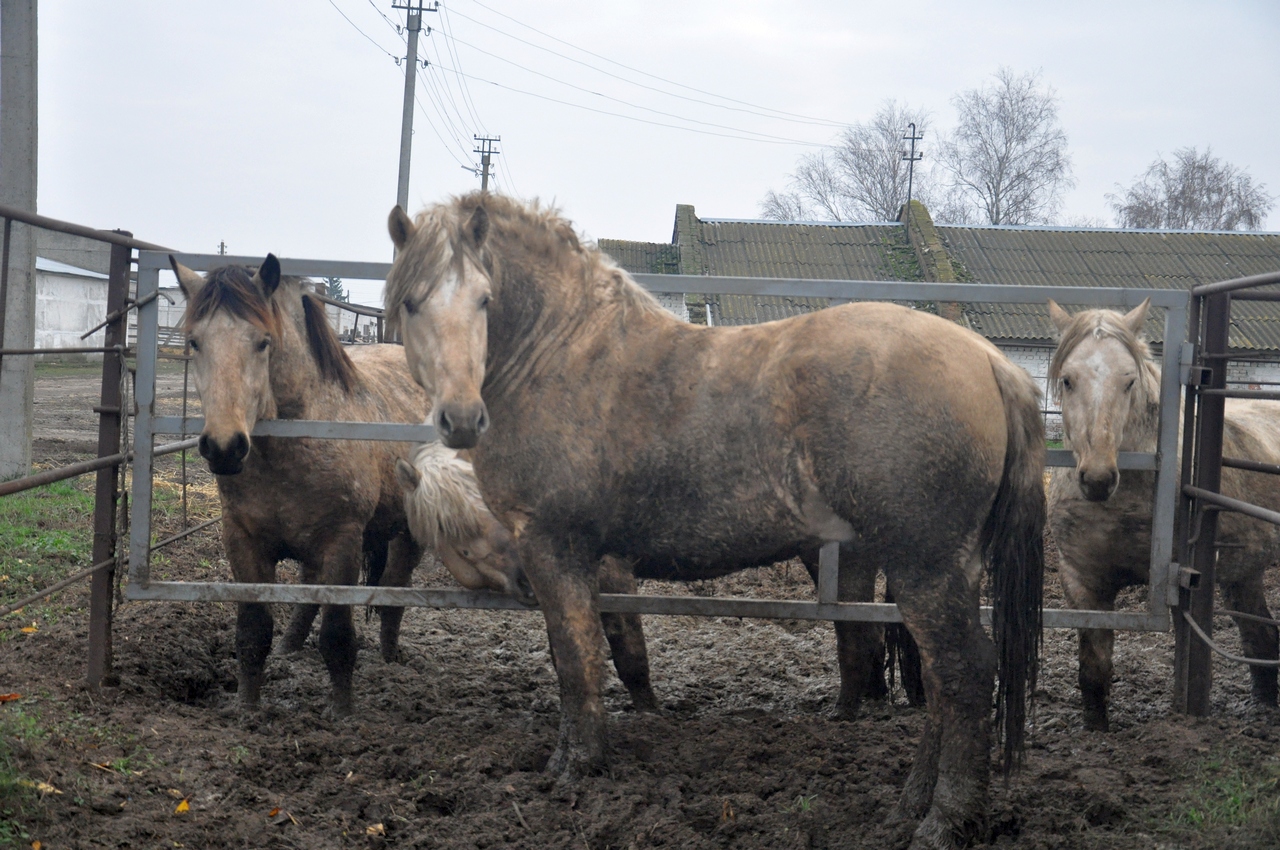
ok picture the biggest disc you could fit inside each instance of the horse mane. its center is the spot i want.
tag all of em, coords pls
(231, 288)
(530, 235)
(329, 354)
(446, 506)
(1104, 323)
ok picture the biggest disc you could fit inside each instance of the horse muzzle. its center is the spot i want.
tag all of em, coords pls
(461, 425)
(225, 458)
(1098, 485)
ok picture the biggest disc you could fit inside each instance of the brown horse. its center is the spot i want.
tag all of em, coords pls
(262, 349)
(1110, 393)
(602, 425)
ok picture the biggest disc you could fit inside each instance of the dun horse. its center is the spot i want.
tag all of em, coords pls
(262, 349)
(602, 425)
(1110, 393)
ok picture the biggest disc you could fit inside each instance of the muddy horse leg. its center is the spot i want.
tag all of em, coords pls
(949, 779)
(304, 615)
(1258, 640)
(1096, 645)
(402, 557)
(254, 625)
(340, 565)
(567, 591)
(625, 633)
(859, 646)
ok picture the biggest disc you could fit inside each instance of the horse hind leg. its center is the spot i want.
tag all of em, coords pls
(625, 634)
(860, 647)
(947, 787)
(402, 557)
(1258, 640)
(304, 616)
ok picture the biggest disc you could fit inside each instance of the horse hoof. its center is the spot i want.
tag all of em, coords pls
(1096, 721)
(394, 655)
(291, 645)
(645, 702)
(339, 708)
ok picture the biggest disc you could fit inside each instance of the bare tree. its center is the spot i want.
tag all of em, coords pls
(1008, 154)
(1193, 192)
(862, 177)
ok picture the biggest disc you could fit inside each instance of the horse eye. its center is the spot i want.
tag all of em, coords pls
(466, 553)
(484, 302)
(1129, 386)
(1066, 383)
(410, 307)
(262, 345)
(195, 346)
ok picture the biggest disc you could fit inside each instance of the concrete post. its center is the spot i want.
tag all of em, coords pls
(18, 138)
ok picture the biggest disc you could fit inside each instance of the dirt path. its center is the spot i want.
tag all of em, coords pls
(446, 749)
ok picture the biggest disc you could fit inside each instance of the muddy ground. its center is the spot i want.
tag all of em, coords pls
(446, 749)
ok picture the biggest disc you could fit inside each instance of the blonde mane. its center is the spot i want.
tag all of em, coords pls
(446, 506)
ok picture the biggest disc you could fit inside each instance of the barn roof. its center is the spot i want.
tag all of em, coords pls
(1035, 256)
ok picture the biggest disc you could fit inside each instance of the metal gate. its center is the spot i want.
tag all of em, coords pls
(1162, 591)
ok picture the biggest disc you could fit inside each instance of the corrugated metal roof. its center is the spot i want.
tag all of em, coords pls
(1034, 256)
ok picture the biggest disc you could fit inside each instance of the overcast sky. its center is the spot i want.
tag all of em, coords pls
(275, 126)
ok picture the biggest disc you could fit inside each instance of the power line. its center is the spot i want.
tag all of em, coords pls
(777, 113)
(773, 140)
(615, 99)
(362, 32)
(457, 63)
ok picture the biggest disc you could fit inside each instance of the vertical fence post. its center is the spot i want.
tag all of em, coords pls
(1193, 667)
(100, 670)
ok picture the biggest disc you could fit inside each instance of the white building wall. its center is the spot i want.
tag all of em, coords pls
(66, 307)
(673, 303)
(1035, 360)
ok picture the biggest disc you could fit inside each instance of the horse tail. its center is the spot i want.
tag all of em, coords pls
(1013, 546)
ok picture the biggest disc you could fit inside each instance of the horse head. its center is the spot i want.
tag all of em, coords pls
(231, 325)
(447, 514)
(438, 294)
(1105, 381)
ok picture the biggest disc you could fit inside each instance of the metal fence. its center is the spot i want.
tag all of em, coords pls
(1200, 497)
(1162, 589)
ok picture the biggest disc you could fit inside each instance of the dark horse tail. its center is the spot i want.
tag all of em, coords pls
(1013, 545)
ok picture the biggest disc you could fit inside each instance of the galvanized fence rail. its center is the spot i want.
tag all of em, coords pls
(1162, 588)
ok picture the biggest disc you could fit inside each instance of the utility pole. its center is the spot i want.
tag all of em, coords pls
(222, 248)
(413, 23)
(486, 150)
(912, 158)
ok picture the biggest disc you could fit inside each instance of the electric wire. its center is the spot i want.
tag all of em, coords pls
(620, 100)
(754, 109)
(362, 32)
(457, 63)
(457, 130)
(772, 140)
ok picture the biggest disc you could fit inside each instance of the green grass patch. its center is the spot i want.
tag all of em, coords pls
(1053, 444)
(45, 534)
(18, 793)
(1230, 793)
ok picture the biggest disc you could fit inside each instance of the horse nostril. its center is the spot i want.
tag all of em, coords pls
(482, 424)
(443, 425)
(203, 446)
(239, 448)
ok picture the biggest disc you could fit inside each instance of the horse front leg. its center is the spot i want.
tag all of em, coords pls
(1258, 640)
(625, 633)
(402, 557)
(340, 565)
(566, 586)
(1096, 645)
(859, 646)
(254, 624)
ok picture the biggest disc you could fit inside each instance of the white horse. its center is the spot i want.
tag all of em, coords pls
(1109, 388)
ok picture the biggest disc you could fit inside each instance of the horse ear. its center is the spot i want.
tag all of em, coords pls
(1060, 317)
(406, 473)
(1135, 317)
(268, 275)
(188, 281)
(478, 227)
(400, 226)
